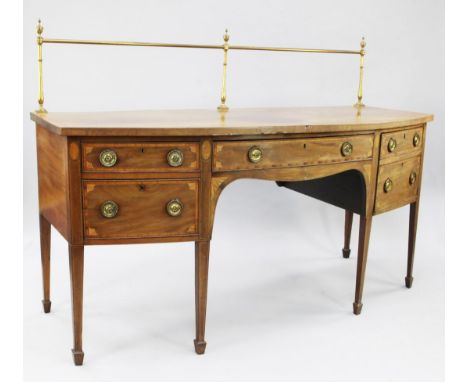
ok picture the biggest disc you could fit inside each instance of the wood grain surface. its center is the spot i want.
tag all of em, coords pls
(404, 145)
(52, 163)
(262, 121)
(142, 208)
(141, 157)
(231, 156)
(403, 192)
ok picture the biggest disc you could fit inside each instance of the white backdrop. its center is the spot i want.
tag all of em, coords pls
(279, 299)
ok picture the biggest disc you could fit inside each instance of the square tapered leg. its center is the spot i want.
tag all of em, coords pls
(202, 250)
(347, 233)
(44, 227)
(76, 259)
(364, 235)
(413, 225)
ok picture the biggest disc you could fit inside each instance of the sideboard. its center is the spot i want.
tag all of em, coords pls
(155, 176)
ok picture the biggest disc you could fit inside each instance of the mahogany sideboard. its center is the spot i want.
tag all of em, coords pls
(155, 176)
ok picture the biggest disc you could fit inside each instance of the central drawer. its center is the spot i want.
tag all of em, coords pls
(136, 209)
(279, 153)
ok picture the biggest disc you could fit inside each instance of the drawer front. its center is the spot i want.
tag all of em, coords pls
(397, 184)
(141, 157)
(250, 155)
(401, 143)
(136, 209)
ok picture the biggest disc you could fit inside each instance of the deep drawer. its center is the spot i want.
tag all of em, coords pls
(141, 157)
(250, 155)
(397, 184)
(135, 209)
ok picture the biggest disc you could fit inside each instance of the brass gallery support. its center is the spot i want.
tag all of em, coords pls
(223, 106)
(225, 47)
(40, 41)
(362, 53)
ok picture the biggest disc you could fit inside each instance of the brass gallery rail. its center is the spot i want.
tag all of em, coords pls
(225, 47)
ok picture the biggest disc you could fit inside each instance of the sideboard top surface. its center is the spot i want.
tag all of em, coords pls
(249, 121)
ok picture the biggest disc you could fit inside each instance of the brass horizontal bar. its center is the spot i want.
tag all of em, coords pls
(199, 46)
(128, 43)
(299, 50)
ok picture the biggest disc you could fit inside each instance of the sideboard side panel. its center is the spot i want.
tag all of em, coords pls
(52, 164)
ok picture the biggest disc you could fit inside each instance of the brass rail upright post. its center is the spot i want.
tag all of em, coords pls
(362, 52)
(223, 106)
(40, 100)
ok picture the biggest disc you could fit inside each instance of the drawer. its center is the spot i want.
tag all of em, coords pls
(136, 209)
(401, 143)
(250, 155)
(141, 157)
(397, 184)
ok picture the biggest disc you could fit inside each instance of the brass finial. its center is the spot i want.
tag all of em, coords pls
(226, 36)
(39, 30)
(39, 27)
(363, 42)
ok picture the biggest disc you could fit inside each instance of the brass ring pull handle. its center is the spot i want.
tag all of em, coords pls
(174, 207)
(412, 178)
(388, 185)
(392, 144)
(108, 158)
(109, 209)
(175, 158)
(346, 149)
(416, 140)
(255, 154)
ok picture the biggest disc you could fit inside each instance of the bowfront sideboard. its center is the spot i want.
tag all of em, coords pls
(155, 176)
